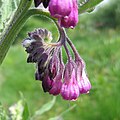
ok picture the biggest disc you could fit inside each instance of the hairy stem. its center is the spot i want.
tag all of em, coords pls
(67, 52)
(60, 29)
(14, 28)
(77, 56)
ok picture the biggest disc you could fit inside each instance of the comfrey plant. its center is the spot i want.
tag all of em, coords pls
(67, 79)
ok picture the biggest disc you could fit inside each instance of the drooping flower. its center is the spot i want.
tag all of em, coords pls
(84, 84)
(54, 64)
(70, 89)
(71, 20)
(60, 8)
(69, 82)
(47, 82)
(82, 79)
(57, 82)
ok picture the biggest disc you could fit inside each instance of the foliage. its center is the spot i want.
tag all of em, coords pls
(88, 5)
(7, 9)
(108, 15)
(20, 111)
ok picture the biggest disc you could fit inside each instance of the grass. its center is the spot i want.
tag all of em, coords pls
(100, 50)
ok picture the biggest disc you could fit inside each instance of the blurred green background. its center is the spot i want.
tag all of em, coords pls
(97, 38)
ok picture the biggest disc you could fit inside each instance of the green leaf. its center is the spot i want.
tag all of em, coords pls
(7, 9)
(46, 107)
(25, 115)
(88, 6)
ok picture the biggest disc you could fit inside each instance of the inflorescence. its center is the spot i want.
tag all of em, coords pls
(67, 79)
(70, 79)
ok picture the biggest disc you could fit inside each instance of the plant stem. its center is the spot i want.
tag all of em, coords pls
(67, 52)
(77, 56)
(14, 28)
(42, 13)
(46, 14)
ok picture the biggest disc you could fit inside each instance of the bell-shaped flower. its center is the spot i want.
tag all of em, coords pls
(84, 84)
(47, 83)
(54, 65)
(60, 8)
(82, 79)
(70, 89)
(57, 82)
(71, 20)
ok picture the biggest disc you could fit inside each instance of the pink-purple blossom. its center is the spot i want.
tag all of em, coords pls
(70, 89)
(60, 8)
(57, 82)
(71, 20)
(68, 80)
(84, 83)
(82, 79)
(66, 11)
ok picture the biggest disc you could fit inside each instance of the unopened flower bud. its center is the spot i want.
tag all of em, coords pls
(54, 64)
(27, 42)
(47, 83)
(57, 82)
(82, 79)
(37, 2)
(35, 55)
(84, 84)
(46, 3)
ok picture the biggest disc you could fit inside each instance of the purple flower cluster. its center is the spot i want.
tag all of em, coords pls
(69, 80)
(66, 11)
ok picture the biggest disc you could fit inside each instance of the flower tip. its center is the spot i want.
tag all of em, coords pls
(72, 27)
(27, 42)
(37, 2)
(88, 92)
